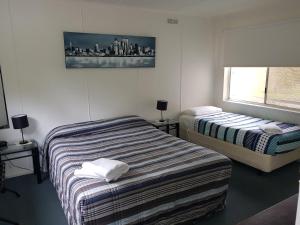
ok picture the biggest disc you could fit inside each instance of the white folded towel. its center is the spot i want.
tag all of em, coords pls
(86, 173)
(271, 128)
(107, 169)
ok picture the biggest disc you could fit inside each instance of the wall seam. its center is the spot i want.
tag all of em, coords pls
(86, 80)
(181, 65)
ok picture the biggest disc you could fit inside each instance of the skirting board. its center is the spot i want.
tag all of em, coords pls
(263, 162)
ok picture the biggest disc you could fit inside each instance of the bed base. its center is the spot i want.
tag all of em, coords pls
(262, 162)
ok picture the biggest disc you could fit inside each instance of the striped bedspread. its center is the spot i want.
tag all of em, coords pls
(244, 130)
(170, 180)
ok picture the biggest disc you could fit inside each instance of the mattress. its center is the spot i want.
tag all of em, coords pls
(170, 181)
(244, 131)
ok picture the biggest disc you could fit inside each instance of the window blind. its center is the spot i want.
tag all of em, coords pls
(284, 87)
(268, 45)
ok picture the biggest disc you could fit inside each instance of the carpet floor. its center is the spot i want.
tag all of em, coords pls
(248, 194)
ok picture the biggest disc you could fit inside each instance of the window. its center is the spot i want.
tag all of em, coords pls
(284, 87)
(279, 86)
(248, 84)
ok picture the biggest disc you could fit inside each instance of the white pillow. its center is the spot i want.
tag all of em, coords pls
(201, 110)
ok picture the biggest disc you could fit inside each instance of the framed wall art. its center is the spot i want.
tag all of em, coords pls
(86, 50)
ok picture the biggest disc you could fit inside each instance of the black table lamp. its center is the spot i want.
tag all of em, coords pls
(20, 122)
(162, 105)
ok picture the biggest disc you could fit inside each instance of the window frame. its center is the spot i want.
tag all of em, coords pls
(226, 93)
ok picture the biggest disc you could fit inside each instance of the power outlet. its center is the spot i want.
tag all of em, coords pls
(172, 21)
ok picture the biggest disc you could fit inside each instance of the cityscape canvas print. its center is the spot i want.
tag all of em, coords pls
(85, 50)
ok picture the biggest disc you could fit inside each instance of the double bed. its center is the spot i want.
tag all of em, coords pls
(170, 180)
(240, 138)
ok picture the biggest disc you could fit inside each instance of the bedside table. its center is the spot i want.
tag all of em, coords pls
(166, 126)
(23, 151)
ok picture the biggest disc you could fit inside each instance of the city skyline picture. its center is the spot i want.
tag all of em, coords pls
(87, 50)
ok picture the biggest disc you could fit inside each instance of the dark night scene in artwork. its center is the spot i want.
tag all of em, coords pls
(85, 50)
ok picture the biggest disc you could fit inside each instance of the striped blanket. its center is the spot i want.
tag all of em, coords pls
(244, 130)
(170, 181)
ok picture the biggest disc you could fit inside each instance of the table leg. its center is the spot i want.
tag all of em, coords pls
(177, 130)
(36, 164)
(168, 128)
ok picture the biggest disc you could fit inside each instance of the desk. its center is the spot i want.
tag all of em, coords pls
(283, 213)
(12, 152)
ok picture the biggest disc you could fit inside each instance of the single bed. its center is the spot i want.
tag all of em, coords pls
(170, 181)
(240, 138)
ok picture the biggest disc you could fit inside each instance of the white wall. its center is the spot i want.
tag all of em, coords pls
(255, 24)
(37, 83)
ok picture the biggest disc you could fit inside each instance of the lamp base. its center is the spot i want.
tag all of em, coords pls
(162, 120)
(24, 142)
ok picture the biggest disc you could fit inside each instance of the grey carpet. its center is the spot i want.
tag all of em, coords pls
(248, 194)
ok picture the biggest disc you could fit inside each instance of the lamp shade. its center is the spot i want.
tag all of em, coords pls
(162, 105)
(20, 121)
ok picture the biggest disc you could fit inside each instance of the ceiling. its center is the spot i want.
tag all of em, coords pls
(205, 8)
